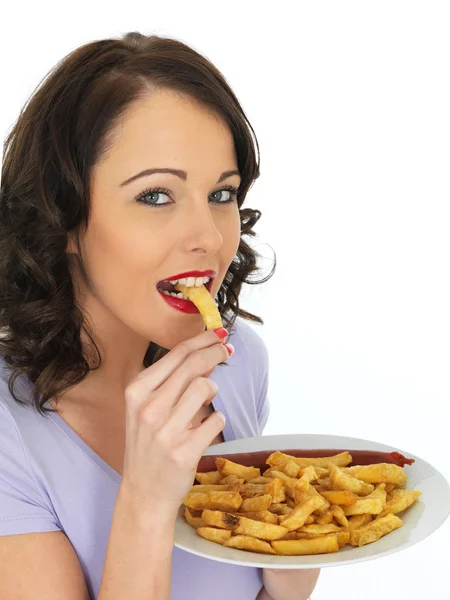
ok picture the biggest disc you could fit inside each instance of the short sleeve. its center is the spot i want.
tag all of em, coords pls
(262, 400)
(23, 507)
(263, 407)
(258, 359)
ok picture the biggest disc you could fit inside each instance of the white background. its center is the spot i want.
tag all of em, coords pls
(350, 104)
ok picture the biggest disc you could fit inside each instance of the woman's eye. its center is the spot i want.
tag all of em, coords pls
(153, 197)
(226, 199)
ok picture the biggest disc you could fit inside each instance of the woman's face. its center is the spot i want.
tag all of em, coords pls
(130, 246)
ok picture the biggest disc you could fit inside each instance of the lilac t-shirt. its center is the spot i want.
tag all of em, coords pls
(51, 480)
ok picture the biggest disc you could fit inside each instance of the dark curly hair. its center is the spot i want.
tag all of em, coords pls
(61, 133)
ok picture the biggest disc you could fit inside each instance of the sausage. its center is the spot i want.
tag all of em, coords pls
(258, 459)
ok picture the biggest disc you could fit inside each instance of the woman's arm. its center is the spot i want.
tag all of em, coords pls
(263, 594)
(288, 584)
(138, 562)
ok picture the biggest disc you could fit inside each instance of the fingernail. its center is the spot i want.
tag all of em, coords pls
(221, 332)
(222, 415)
(230, 348)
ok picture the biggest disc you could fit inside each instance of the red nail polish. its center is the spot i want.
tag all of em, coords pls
(221, 332)
(230, 348)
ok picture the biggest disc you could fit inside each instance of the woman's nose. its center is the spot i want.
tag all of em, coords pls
(200, 230)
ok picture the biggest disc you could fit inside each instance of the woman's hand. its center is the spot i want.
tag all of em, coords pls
(163, 448)
(290, 584)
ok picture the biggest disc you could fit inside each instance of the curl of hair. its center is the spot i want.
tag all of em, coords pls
(62, 132)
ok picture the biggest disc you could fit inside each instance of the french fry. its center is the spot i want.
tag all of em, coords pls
(322, 472)
(279, 458)
(374, 530)
(231, 478)
(247, 542)
(343, 538)
(256, 503)
(308, 474)
(342, 481)
(215, 487)
(221, 519)
(326, 518)
(279, 508)
(259, 515)
(264, 531)
(205, 304)
(343, 497)
(214, 500)
(252, 489)
(401, 500)
(260, 479)
(325, 483)
(309, 521)
(320, 488)
(317, 529)
(209, 478)
(390, 487)
(195, 522)
(371, 506)
(290, 502)
(298, 516)
(358, 521)
(320, 545)
(380, 493)
(378, 473)
(278, 474)
(228, 467)
(289, 482)
(290, 468)
(297, 535)
(276, 488)
(321, 510)
(339, 515)
(219, 536)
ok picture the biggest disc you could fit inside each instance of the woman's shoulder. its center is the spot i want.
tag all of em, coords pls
(21, 387)
(20, 421)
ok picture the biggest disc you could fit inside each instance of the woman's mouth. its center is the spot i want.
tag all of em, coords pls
(177, 299)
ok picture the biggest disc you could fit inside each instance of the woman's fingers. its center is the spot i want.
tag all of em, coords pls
(189, 403)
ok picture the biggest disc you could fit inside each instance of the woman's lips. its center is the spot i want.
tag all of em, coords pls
(180, 304)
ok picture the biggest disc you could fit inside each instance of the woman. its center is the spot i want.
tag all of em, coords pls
(109, 383)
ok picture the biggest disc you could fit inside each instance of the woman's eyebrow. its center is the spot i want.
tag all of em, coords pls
(177, 172)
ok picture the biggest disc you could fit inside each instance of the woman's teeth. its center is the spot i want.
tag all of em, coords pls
(191, 281)
(179, 295)
(188, 282)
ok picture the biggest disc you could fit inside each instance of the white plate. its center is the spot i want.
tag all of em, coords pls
(420, 520)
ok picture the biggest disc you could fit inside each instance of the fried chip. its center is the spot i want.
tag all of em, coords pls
(280, 458)
(247, 542)
(319, 545)
(378, 473)
(228, 467)
(213, 500)
(374, 530)
(203, 300)
(220, 536)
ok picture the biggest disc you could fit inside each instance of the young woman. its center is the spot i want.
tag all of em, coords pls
(126, 171)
